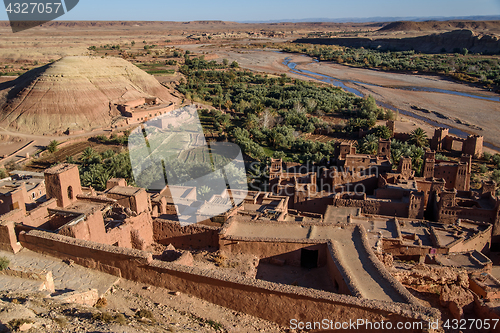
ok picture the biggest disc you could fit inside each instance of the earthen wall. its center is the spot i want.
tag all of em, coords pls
(192, 236)
(274, 302)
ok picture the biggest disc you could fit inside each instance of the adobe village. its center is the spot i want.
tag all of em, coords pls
(348, 239)
(354, 211)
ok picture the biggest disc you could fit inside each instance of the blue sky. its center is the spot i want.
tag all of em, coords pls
(161, 10)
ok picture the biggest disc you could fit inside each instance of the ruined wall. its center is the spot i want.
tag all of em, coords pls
(194, 236)
(315, 204)
(267, 300)
(8, 239)
(14, 215)
(134, 233)
(90, 229)
(338, 273)
(15, 199)
(481, 242)
(398, 248)
(40, 215)
(141, 234)
(451, 214)
(346, 181)
(376, 207)
(266, 249)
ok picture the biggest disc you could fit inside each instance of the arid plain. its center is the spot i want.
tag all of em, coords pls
(242, 42)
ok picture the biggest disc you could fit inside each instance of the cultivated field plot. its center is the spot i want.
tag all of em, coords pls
(74, 150)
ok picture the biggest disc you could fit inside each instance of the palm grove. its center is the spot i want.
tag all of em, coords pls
(267, 116)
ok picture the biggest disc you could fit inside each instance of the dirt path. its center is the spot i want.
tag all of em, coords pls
(363, 272)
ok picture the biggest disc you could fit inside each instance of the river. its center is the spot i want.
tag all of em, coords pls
(342, 84)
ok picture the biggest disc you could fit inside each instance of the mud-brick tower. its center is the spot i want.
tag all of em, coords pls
(63, 183)
(429, 162)
(439, 136)
(384, 148)
(404, 168)
(473, 146)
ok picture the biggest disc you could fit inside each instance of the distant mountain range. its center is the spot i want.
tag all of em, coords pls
(384, 19)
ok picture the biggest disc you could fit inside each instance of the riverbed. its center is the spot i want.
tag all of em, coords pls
(437, 100)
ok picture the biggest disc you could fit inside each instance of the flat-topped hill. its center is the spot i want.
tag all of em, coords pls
(74, 92)
(493, 26)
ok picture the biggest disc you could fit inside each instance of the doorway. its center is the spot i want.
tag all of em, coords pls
(308, 258)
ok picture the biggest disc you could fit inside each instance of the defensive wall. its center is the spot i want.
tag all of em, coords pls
(289, 248)
(271, 301)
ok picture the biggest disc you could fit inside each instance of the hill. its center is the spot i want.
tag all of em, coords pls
(74, 92)
(441, 26)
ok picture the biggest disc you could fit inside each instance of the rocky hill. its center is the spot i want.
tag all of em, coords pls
(441, 26)
(75, 93)
(433, 43)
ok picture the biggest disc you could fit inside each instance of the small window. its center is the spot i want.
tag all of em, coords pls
(70, 192)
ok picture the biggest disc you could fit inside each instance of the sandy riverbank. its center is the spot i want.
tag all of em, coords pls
(449, 109)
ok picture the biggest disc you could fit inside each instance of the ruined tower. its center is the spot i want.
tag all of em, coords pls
(429, 161)
(384, 148)
(437, 140)
(462, 180)
(391, 125)
(63, 183)
(404, 168)
(344, 149)
(447, 198)
(473, 146)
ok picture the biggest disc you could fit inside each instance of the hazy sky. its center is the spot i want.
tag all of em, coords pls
(237, 10)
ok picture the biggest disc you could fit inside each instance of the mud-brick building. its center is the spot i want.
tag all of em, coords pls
(21, 191)
(456, 175)
(297, 183)
(119, 216)
(356, 169)
(472, 145)
(144, 109)
(482, 205)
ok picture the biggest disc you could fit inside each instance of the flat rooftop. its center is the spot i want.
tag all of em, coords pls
(8, 185)
(56, 169)
(339, 214)
(125, 190)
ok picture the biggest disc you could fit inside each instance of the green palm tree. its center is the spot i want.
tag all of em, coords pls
(419, 138)
(52, 147)
(369, 144)
(87, 154)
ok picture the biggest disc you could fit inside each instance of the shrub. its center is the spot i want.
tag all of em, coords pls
(101, 302)
(14, 324)
(483, 168)
(495, 176)
(103, 316)
(52, 147)
(440, 157)
(4, 263)
(142, 313)
(496, 159)
(215, 325)
(61, 321)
